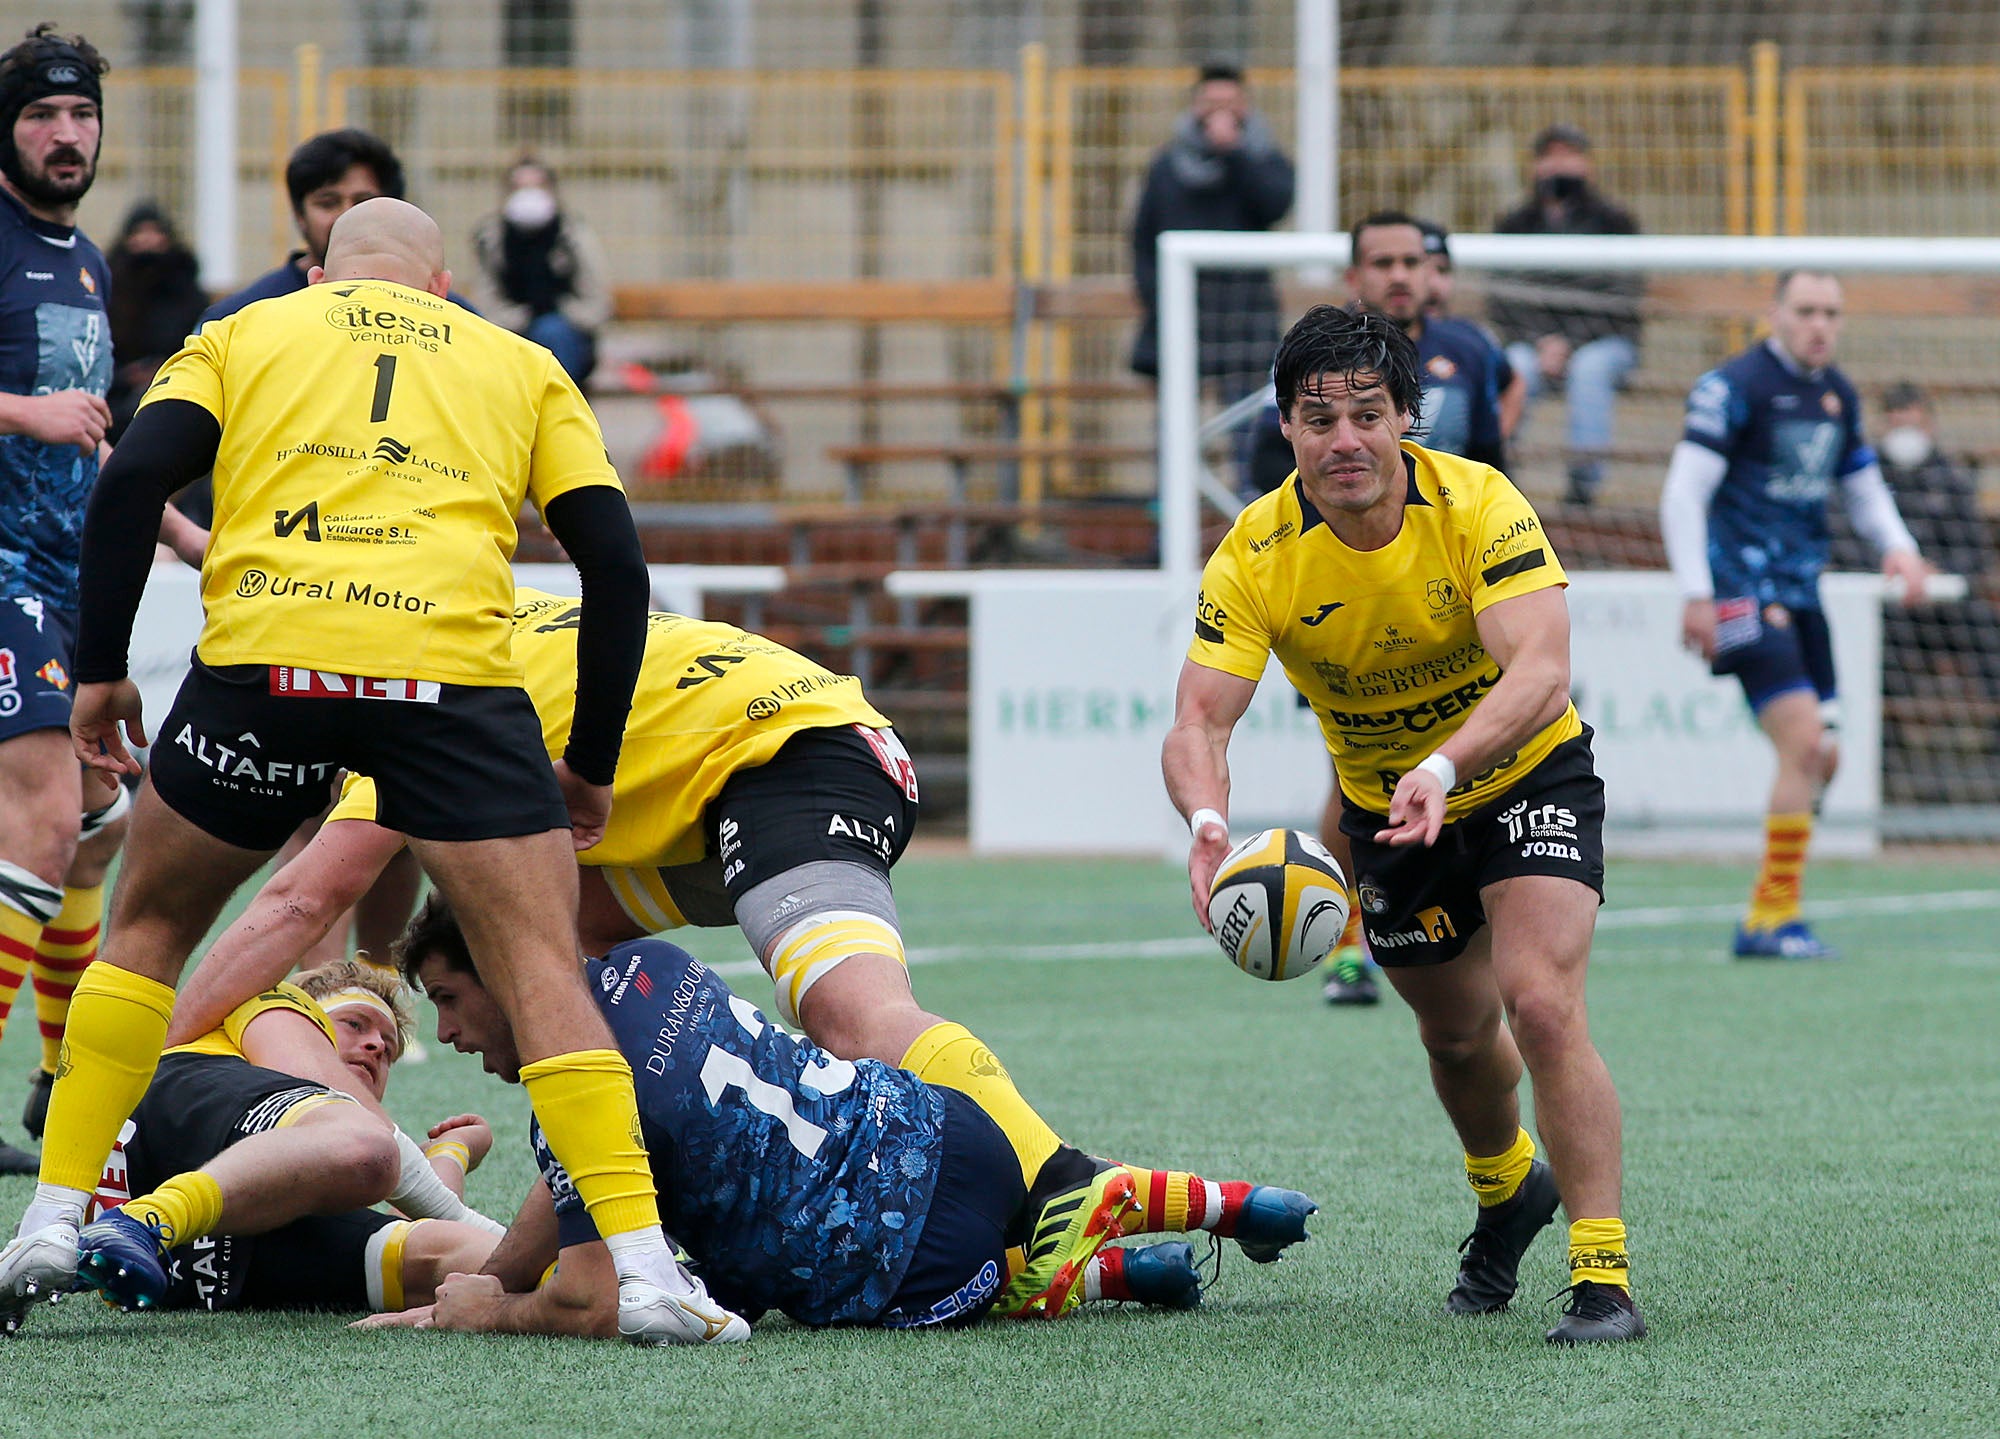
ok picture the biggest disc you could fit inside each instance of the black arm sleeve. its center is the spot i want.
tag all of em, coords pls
(594, 525)
(169, 445)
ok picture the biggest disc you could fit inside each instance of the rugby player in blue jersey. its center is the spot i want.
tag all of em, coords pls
(836, 1192)
(55, 367)
(1770, 434)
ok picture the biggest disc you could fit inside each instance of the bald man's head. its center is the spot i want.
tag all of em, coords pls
(385, 239)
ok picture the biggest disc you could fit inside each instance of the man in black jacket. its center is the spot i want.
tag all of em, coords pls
(1576, 328)
(1222, 170)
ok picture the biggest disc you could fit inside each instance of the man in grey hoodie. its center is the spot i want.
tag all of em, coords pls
(1222, 170)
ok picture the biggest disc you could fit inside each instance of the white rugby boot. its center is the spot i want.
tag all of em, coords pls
(648, 1314)
(39, 1265)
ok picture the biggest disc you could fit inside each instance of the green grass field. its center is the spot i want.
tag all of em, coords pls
(1810, 1185)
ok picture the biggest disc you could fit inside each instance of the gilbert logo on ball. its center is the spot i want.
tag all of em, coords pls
(1278, 904)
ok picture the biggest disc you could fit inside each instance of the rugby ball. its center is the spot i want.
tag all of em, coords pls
(1278, 904)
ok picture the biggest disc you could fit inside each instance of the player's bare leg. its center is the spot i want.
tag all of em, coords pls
(40, 802)
(516, 901)
(1475, 1067)
(1772, 929)
(1542, 927)
(174, 883)
(863, 1008)
(69, 942)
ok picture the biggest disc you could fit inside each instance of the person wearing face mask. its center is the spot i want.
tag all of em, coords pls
(541, 271)
(156, 301)
(1930, 651)
(1578, 329)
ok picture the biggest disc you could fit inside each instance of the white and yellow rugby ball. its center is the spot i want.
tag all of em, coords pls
(1278, 904)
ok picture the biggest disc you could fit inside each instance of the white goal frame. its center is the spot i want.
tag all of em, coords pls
(1182, 253)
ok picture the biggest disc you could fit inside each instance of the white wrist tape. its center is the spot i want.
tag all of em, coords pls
(422, 1195)
(1206, 816)
(1444, 769)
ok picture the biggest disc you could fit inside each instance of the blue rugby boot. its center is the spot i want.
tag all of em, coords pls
(1271, 1221)
(125, 1260)
(1788, 941)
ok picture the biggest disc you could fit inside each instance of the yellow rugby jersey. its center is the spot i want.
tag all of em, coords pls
(1382, 643)
(377, 443)
(711, 700)
(227, 1038)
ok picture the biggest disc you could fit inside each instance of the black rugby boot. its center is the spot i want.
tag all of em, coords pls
(1488, 1274)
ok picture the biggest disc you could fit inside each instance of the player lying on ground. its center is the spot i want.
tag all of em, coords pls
(836, 1192)
(754, 786)
(243, 1186)
(461, 423)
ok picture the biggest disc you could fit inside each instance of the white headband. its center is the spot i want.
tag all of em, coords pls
(354, 994)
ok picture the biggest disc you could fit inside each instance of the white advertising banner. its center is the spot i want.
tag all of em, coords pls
(1072, 694)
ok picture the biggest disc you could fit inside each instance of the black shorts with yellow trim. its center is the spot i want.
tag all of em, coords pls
(199, 1105)
(323, 1261)
(842, 793)
(1422, 905)
(250, 752)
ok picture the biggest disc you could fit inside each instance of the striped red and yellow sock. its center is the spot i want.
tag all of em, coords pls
(17, 953)
(1775, 900)
(67, 945)
(1174, 1202)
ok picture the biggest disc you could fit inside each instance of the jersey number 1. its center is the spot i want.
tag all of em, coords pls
(385, 381)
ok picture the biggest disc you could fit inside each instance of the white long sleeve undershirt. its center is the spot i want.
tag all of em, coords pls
(1694, 474)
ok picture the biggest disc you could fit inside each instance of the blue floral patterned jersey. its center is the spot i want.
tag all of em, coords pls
(797, 1181)
(53, 336)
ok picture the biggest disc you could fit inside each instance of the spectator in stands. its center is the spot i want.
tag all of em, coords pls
(1949, 649)
(1222, 170)
(1444, 286)
(1575, 328)
(541, 271)
(156, 301)
(326, 177)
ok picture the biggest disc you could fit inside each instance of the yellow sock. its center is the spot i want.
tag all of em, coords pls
(1775, 900)
(67, 945)
(117, 1023)
(1498, 1178)
(1597, 1253)
(18, 934)
(953, 1056)
(186, 1207)
(590, 1118)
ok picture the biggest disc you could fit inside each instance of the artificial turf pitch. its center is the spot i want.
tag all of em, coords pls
(1810, 1183)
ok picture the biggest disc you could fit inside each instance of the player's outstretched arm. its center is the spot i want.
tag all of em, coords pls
(1528, 637)
(1195, 762)
(291, 913)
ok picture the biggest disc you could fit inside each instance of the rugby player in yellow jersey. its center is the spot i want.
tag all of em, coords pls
(1413, 597)
(371, 446)
(240, 1184)
(758, 788)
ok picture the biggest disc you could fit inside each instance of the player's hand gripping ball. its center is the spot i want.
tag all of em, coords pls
(1278, 904)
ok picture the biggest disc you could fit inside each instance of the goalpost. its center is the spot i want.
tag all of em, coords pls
(1676, 745)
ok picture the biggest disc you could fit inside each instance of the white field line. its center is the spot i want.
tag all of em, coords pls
(1647, 917)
